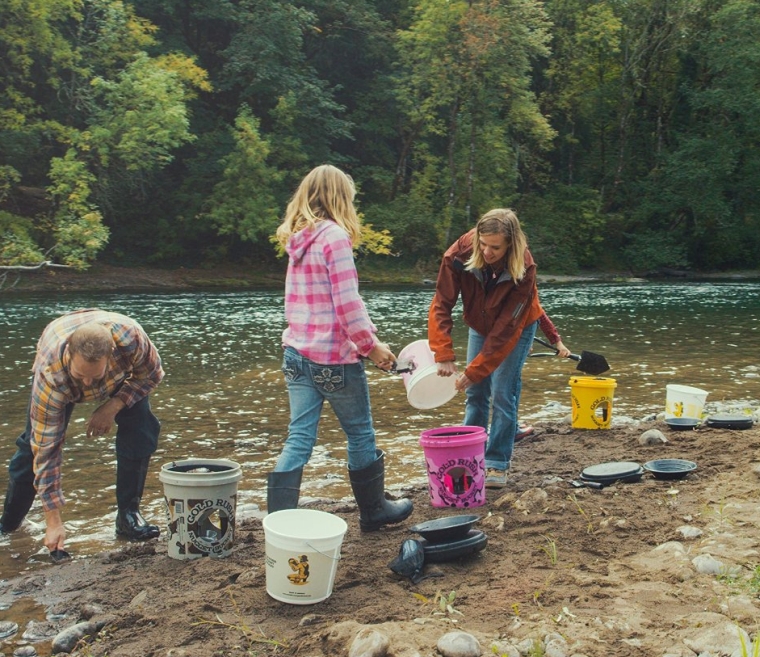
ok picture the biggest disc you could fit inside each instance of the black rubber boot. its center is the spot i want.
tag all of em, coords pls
(375, 510)
(130, 482)
(18, 500)
(283, 490)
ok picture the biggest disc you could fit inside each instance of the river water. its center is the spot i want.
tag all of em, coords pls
(224, 395)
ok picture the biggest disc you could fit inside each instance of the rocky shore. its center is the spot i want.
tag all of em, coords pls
(652, 567)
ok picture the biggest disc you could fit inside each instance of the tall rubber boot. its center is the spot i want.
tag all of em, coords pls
(18, 500)
(375, 510)
(283, 490)
(130, 482)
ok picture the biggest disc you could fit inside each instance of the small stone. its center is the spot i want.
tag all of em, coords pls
(40, 630)
(25, 651)
(369, 643)
(7, 628)
(555, 649)
(89, 610)
(689, 532)
(66, 639)
(652, 437)
(459, 644)
(533, 500)
(506, 649)
(707, 565)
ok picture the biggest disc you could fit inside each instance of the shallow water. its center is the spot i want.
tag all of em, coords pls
(224, 395)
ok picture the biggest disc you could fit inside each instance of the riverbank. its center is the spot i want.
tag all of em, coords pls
(651, 567)
(103, 277)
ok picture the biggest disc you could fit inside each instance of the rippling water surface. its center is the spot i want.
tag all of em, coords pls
(224, 395)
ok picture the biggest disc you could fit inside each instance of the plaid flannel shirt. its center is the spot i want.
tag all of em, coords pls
(327, 319)
(133, 371)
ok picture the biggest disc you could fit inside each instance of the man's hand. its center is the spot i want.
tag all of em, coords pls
(55, 533)
(103, 418)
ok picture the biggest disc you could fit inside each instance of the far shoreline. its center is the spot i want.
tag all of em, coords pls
(108, 278)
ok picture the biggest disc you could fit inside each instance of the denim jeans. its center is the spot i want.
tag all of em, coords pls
(345, 388)
(498, 396)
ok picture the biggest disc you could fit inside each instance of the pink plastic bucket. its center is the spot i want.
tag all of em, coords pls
(424, 388)
(456, 465)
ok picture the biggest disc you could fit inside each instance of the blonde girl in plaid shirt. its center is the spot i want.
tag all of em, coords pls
(328, 333)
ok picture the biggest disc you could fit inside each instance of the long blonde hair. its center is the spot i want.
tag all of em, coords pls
(325, 193)
(502, 222)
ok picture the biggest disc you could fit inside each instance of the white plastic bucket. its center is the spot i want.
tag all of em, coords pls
(302, 554)
(201, 499)
(424, 388)
(684, 401)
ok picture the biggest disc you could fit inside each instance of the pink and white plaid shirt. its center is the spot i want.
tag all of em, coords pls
(327, 320)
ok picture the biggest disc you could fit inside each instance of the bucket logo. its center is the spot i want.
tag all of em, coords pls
(300, 568)
(599, 410)
(458, 482)
(678, 409)
(206, 528)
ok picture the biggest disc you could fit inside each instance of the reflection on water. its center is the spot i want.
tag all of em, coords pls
(224, 396)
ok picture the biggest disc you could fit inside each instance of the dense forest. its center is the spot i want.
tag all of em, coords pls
(624, 132)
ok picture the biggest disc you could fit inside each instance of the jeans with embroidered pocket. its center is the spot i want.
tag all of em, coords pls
(345, 388)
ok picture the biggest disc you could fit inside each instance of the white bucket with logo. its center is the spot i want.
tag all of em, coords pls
(302, 554)
(424, 388)
(201, 499)
(684, 401)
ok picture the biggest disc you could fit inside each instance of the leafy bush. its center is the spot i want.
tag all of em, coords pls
(650, 251)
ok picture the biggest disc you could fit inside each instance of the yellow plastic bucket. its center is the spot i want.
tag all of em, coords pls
(591, 399)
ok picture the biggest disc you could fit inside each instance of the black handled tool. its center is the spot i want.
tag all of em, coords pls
(588, 362)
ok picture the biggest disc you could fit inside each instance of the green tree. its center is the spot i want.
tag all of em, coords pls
(243, 201)
(464, 87)
(79, 82)
(705, 190)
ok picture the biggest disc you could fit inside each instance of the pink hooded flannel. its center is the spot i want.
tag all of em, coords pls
(327, 320)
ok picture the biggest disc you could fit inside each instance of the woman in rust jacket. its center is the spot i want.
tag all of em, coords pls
(492, 270)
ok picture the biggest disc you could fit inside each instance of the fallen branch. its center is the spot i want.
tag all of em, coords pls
(4, 277)
(44, 263)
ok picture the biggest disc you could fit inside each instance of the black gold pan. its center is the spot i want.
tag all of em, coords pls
(683, 423)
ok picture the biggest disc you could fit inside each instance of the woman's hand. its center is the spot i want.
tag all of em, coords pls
(382, 356)
(462, 383)
(447, 368)
(562, 350)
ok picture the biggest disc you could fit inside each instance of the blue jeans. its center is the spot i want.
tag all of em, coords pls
(498, 395)
(345, 388)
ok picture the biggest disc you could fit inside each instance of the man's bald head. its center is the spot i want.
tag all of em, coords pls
(91, 341)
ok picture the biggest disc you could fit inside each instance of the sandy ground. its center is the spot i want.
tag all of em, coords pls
(610, 571)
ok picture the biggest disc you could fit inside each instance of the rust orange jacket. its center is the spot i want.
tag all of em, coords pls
(500, 315)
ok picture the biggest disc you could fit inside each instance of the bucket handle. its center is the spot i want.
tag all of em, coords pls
(322, 553)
